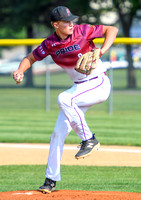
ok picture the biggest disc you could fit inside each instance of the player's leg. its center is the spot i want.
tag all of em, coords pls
(85, 94)
(74, 114)
(62, 129)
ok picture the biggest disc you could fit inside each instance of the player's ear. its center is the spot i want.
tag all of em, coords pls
(55, 24)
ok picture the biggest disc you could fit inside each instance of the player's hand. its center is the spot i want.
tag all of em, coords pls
(18, 76)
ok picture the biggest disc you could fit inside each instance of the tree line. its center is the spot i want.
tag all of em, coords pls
(16, 15)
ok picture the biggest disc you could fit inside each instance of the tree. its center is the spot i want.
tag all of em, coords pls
(10, 18)
(16, 15)
(126, 10)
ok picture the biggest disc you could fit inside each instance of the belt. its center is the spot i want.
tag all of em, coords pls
(89, 79)
(86, 80)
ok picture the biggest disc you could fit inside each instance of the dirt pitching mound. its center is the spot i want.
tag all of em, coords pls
(69, 195)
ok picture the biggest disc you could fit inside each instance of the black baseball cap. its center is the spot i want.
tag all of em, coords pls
(62, 13)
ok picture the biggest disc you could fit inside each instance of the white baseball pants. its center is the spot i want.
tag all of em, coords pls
(73, 104)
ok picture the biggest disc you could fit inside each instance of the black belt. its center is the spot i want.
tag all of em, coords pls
(86, 80)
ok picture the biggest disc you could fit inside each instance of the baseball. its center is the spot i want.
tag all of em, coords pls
(18, 78)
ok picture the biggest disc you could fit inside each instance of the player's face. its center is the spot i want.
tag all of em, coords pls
(64, 28)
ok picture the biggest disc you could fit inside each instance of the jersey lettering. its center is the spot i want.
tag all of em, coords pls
(68, 49)
(41, 50)
(79, 55)
(62, 51)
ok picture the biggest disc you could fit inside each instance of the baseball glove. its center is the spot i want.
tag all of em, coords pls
(88, 61)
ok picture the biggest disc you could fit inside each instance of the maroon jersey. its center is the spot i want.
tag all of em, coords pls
(66, 52)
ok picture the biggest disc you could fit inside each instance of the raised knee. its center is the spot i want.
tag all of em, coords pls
(60, 99)
(63, 99)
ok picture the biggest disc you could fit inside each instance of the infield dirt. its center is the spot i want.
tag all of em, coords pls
(69, 195)
(37, 154)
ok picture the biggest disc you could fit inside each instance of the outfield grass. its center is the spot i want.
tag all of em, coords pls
(24, 119)
(24, 177)
(37, 126)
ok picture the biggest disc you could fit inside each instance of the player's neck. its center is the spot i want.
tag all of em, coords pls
(61, 36)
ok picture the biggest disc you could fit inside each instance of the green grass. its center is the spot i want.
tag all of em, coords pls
(128, 179)
(24, 119)
(36, 127)
(62, 80)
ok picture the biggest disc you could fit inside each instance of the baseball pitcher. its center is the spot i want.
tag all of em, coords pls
(72, 48)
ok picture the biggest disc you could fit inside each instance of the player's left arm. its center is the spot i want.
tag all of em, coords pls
(109, 33)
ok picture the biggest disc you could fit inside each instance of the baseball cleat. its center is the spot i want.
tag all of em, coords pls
(86, 147)
(48, 186)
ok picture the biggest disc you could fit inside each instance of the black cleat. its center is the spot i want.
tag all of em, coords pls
(48, 186)
(87, 147)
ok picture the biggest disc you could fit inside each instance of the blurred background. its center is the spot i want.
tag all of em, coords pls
(23, 107)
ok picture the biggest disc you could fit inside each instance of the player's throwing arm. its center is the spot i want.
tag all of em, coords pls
(24, 65)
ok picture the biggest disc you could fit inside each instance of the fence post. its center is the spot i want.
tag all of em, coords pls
(47, 101)
(111, 94)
